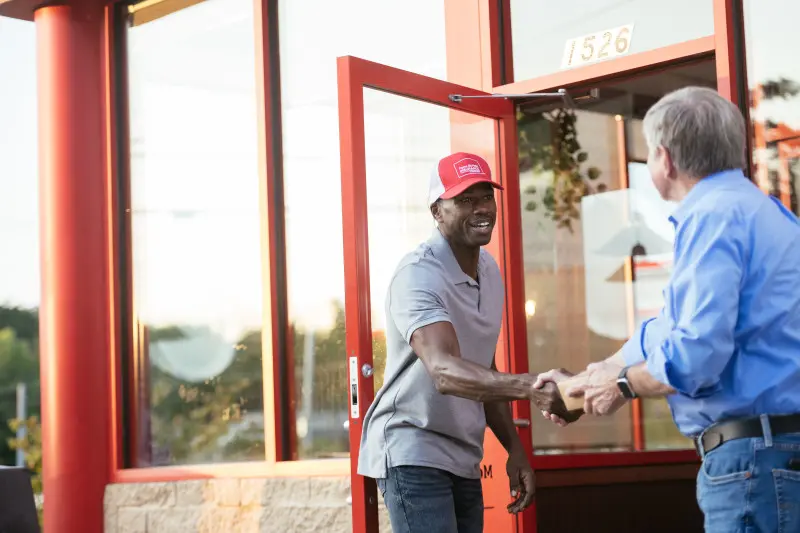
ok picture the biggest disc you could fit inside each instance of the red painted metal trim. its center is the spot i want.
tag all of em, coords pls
(589, 460)
(615, 68)
(271, 232)
(112, 161)
(512, 265)
(732, 67)
(357, 287)
(508, 48)
(724, 35)
(76, 309)
(491, 41)
(354, 75)
(477, 42)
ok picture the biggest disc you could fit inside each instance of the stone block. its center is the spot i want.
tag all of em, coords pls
(304, 519)
(193, 492)
(252, 491)
(132, 520)
(176, 520)
(219, 520)
(276, 492)
(140, 495)
(110, 514)
(329, 491)
(227, 492)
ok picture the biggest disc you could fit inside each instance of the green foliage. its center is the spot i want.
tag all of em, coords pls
(19, 363)
(330, 379)
(548, 143)
(31, 446)
(191, 420)
(782, 88)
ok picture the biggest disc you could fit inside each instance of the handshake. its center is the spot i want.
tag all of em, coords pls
(563, 397)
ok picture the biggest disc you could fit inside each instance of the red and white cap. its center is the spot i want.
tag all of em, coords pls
(456, 173)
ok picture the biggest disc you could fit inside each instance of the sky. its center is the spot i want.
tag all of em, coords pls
(195, 176)
(19, 228)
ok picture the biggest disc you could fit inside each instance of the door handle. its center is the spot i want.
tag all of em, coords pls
(522, 422)
(346, 425)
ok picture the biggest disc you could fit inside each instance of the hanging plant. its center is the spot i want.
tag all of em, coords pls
(548, 142)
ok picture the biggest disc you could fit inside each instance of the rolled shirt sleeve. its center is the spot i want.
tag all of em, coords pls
(691, 342)
(415, 298)
(634, 351)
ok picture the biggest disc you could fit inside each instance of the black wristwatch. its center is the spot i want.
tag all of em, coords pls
(625, 385)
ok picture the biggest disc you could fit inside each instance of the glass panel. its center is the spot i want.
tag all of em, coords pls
(541, 48)
(196, 248)
(404, 140)
(312, 185)
(773, 74)
(19, 249)
(597, 249)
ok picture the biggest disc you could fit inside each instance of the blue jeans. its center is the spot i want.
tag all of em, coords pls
(746, 486)
(429, 500)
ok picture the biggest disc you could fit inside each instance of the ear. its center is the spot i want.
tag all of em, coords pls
(666, 160)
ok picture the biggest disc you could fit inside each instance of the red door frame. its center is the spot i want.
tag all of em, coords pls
(354, 75)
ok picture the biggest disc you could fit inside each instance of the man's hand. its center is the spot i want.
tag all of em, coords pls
(557, 414)
(599, 389)
(521, 479)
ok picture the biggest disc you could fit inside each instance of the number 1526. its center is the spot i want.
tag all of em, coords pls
(596, 46)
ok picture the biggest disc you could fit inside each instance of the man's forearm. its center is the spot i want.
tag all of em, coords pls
(501, 422)
(645, 385)
(459, 377)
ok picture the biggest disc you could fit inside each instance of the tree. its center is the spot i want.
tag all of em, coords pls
(548, 142)
(329, 397)
(19, 363)
(31, 446)
(192, 422)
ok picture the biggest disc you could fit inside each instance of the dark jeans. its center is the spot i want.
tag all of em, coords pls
(746, 486)
(428, 500)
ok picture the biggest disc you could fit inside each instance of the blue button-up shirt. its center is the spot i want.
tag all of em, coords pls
(728, 337)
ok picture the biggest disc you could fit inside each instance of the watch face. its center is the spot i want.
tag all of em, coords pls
(625, 388)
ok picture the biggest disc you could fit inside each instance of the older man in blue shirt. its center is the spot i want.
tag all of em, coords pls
(725, 349)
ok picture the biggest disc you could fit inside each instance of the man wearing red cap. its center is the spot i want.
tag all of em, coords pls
(423, 435)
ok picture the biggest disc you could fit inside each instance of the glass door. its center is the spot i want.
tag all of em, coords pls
(394, 125)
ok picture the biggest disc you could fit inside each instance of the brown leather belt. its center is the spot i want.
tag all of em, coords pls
(744, 428)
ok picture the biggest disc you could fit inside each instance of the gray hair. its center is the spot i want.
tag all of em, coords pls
(703, 132)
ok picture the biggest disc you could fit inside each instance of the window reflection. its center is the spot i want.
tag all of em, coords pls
(774, 78)
(309, 46)
(196, 249)
(597, 247)
(19, 248)
(541, 48)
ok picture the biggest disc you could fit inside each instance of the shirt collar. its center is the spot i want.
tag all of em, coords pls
(442, 251)
(712, 181)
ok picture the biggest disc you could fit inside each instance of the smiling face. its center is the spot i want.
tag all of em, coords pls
(469, 218)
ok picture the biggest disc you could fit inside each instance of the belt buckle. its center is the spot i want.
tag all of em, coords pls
(698, 445)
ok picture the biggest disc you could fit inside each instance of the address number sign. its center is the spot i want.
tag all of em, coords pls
(597, 46)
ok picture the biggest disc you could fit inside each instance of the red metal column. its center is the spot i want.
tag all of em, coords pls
(75, 310)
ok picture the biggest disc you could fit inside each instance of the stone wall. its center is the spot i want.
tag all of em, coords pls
(279, 505)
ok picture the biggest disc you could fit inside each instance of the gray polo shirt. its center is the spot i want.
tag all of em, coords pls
(410, 423)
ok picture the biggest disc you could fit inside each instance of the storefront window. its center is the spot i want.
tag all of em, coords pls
(773, 75)
(597, 247)
(195, 224)
(551, 36)
(309, 46)
(19, 241)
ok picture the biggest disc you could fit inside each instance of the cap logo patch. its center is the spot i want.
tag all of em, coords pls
(467, 167)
